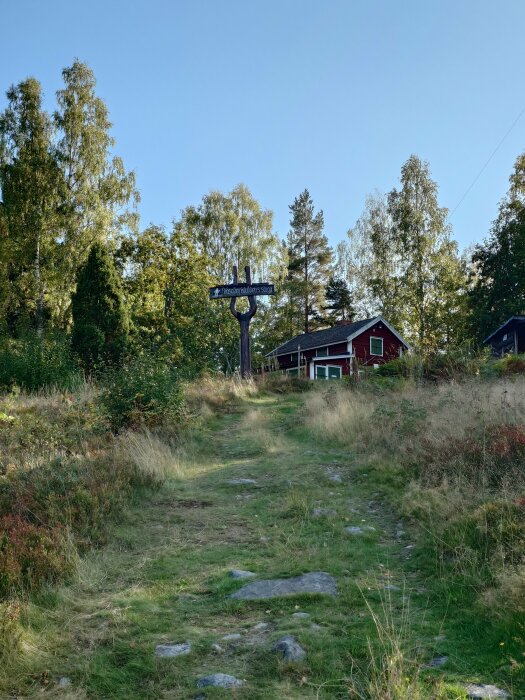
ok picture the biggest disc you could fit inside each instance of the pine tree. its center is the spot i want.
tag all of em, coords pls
(100, 318)
(339, 298)
(310, 259)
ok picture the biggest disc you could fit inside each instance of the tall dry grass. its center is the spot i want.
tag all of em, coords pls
(153, 456)
(400, 418)
(459, 451)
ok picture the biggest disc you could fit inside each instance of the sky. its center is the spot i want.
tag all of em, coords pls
(331, 95)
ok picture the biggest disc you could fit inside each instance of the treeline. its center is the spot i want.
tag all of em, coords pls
(75, 264)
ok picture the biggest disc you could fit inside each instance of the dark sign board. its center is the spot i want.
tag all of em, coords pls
(227, 291)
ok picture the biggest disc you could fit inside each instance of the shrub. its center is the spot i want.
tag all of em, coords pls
(34, 363)
(145, 391)
(30, 555)
(79, 494)
(488, 457)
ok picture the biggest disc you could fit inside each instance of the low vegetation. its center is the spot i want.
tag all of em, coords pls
(458, 449)
(118, 536)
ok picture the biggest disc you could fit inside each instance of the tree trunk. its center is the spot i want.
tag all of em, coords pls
(39, 292)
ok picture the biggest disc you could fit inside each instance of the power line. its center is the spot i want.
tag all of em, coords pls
(487, 162)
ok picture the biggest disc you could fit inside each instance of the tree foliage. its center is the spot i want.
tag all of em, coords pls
(99, 190)
(32, 187)
(309, 263)
(339, 301)
(100, 317)
(498, 275)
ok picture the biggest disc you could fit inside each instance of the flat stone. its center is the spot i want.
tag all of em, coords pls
(440, 638)
(314, 582)
(336, 478)
(315, 627)
(357, 530)
(241, 482)
(261, 626)
(172, 650)
(289, 648)
(391, 587)
(217, 648)
(480, 691)
(323, 512)
(219, 680)
(239, 573)
(437, 662)
(232, 637)
(64, 682)
(301, 615)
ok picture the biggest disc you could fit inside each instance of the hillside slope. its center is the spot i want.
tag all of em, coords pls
(308, 505)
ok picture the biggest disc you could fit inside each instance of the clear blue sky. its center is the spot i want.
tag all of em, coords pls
(333, 95)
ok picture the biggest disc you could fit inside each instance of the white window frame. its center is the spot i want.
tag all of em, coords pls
(334, 367)
(375, 354)
(325, 367)
(325, 354)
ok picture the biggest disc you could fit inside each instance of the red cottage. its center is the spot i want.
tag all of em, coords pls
(332, 352)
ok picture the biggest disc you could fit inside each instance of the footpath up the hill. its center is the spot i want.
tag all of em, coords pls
(192, 583)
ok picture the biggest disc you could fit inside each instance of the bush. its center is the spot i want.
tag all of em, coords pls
(145, 391)
(486, 458)
(34, 363)
(30, 555)
(508, 365)
(454, 364)
(81, 495)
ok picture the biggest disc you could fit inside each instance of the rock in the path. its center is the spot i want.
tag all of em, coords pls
(479, 691)
(172, 650)
(64, 682)
(437, 662)
(239, 573)
(323, 512)
(314, 582)
(219, 680)
(241, 482)
(289, 648)
(232, 637)
(260, 626)
(336, 478)
(301, 615)
(356, 530)
(217, 648)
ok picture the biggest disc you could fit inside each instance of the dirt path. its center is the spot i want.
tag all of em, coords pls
(165, 576)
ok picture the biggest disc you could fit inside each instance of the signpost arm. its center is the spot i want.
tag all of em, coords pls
(233, 300)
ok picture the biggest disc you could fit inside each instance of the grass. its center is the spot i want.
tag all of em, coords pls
(163, 575)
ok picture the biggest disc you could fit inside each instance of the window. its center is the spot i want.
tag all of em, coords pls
(334, 372)
(294, 372)
(376, 346)
(320, 372)
(321, 352)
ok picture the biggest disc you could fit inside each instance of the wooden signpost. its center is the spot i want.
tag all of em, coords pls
(232, 291)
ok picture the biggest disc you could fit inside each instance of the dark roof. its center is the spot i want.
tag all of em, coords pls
(328, 336)
(519, 319)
